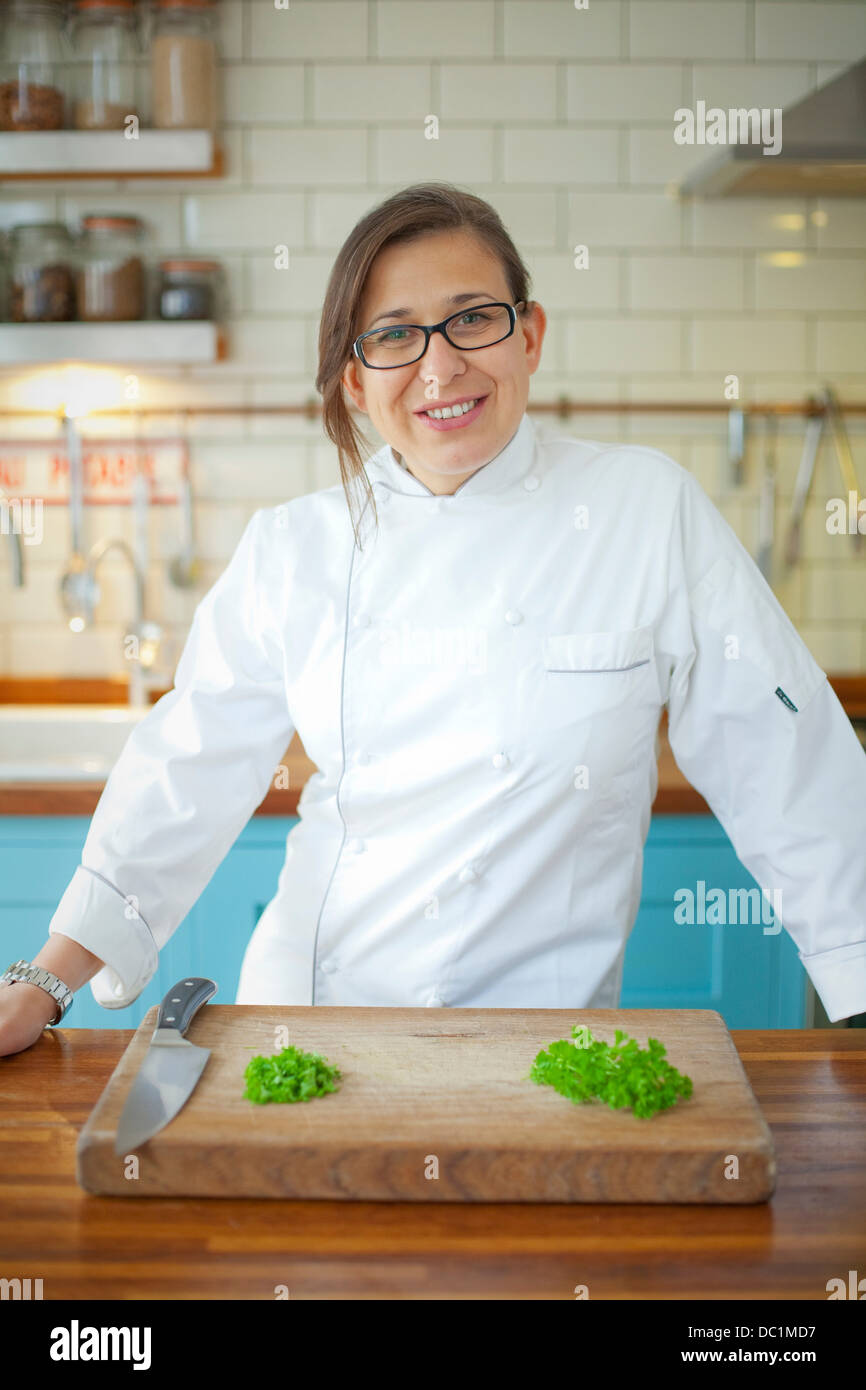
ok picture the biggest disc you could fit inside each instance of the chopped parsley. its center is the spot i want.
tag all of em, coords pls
(622, 1074)
(288, 1076)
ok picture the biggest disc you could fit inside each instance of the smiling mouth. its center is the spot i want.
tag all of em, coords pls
(451, 412)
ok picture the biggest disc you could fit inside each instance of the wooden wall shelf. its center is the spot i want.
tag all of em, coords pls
(108, 154)
(141, 340)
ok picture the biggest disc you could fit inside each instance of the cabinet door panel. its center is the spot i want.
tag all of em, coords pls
(39, 855)
(745, 965)
(754, 979)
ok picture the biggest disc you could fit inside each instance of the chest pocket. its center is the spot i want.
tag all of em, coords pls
(588, 673)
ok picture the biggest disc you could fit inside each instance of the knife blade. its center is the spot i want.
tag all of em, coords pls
(171, 1068)
(805, 473)
(767, 503)
(736, 444)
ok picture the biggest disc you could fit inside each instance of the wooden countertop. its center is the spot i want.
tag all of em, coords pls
(675, 795)
(810, 1085)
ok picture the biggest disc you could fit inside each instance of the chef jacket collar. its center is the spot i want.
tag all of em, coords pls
(500, 473)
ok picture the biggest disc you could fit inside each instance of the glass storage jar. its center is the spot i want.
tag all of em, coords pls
(33, 54)
(183, 65)
(41, 274)
(189, 289)
(4, 278)
(104, 53)
(110, 269)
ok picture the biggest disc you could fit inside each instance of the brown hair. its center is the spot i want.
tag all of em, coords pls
(405, 216)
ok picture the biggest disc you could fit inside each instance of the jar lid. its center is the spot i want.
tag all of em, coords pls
(56, 228)
(26, 7)
(111, 221)
(189, 265)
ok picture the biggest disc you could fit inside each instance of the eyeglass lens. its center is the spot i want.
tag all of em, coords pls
(474, 328)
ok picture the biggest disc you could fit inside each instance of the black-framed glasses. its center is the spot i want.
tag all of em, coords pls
(399, 344)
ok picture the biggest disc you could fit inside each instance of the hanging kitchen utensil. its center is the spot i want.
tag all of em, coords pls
(149, 633)
(842, 445)
(185, 569)
(767, 501)
(805, 474)
(78, 590)
(140, 501)
(736, 445)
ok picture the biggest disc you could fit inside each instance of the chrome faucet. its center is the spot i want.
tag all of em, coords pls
(80, 593)
(17, 554)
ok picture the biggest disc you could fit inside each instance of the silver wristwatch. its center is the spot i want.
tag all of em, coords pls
(37, 975)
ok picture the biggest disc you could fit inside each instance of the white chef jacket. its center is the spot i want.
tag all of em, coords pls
(480, 686)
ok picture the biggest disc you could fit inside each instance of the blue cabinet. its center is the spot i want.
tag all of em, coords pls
(39, 855)
(748, 970)
(753, 977)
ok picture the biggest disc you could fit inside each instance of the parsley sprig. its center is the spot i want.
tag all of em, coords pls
(288, 1076)
(621, 1073)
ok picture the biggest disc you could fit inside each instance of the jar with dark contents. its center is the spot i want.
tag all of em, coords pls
(189, 289)
(4, 277)
(110, 269)
(33, 55)
(41, 273)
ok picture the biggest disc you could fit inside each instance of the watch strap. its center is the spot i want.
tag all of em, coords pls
(22, 971)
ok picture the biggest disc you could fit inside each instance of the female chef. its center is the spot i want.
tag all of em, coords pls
(474, 636)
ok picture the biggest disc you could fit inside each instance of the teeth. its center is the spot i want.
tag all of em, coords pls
(450, 411)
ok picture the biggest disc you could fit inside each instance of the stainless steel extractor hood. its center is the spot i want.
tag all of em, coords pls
(823, 149)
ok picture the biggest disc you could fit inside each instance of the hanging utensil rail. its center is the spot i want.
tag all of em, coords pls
(564, 406)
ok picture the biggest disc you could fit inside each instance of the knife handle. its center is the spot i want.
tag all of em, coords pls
(183, 1001)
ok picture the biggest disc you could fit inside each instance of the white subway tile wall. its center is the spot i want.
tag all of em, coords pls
(561, 117)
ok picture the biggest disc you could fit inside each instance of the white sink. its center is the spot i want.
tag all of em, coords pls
(63, 743)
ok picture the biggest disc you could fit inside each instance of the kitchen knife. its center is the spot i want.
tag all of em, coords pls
(805, 473)
(844, 457)
(767, 503)
(170, 1071)
(736, 444)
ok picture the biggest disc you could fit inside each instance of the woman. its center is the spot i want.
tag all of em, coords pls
(475, 654)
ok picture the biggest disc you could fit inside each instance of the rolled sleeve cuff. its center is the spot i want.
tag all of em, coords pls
(839, 976)
(97, 915)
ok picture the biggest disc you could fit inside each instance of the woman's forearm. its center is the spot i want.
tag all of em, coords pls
(67, 960)
(25, 1009)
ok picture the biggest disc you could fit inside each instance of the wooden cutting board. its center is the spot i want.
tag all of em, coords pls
(433, 1107)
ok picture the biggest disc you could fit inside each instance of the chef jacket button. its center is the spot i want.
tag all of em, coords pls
(467, 874)
(500, 759)
(514, 616)
(361, 620)
(531, 482)
(441, 505)
(357, 846)
(328, 967)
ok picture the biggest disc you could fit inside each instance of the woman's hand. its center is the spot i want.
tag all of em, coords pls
(24, 1011)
